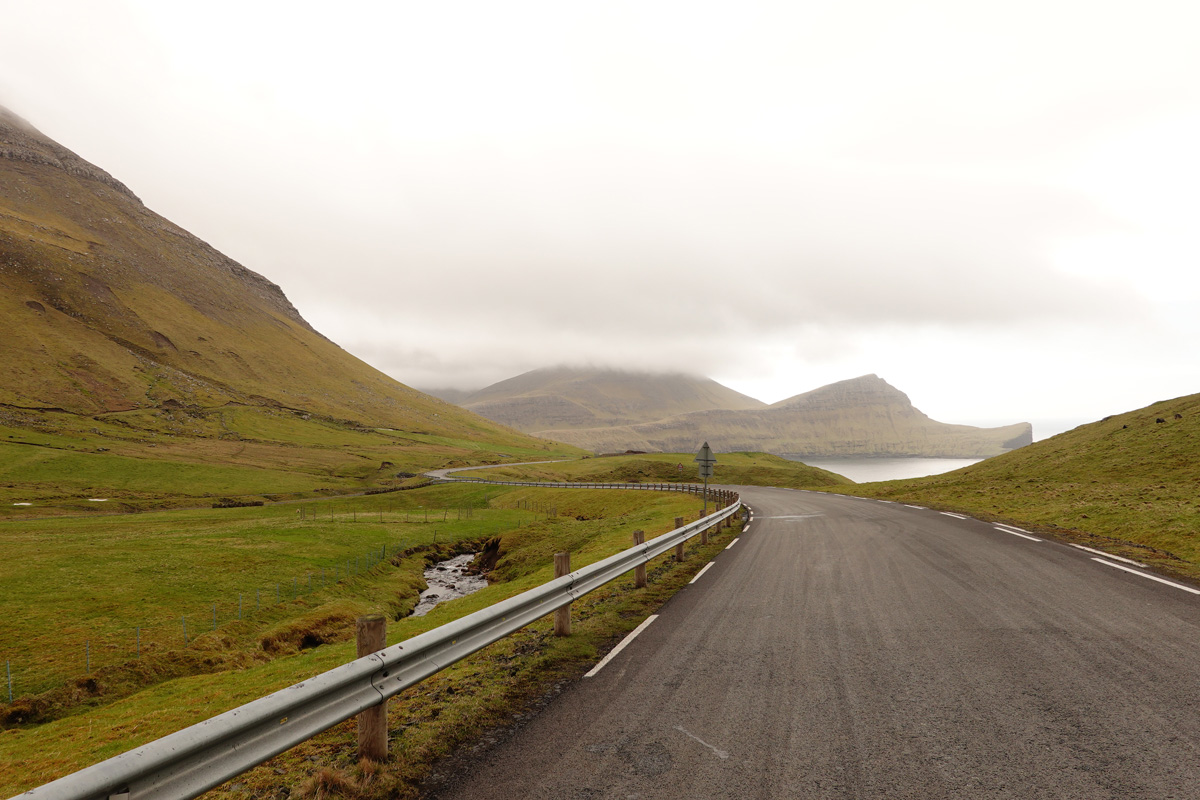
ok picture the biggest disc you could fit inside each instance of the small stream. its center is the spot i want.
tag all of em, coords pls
(448, 580)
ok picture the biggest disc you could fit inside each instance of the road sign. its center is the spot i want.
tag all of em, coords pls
(706, 459)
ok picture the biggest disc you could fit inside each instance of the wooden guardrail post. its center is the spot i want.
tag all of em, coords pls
(704, 536)
(639, 572)
(679, 547)
(371, 632)
(562, 616)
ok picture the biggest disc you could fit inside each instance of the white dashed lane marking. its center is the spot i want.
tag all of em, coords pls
(1150, 577)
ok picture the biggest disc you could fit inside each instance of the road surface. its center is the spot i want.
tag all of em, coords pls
(850, 648)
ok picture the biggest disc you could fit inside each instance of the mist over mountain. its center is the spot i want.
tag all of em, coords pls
(611, 411)
(565, 398)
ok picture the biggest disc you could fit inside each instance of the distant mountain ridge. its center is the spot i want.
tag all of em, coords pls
(864, 416)
(564, 398)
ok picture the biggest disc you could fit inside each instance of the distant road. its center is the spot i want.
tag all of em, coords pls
(848, 648)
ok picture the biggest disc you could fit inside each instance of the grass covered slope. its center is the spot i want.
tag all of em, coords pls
(737, 469)
(1129, 483)
(126, 335)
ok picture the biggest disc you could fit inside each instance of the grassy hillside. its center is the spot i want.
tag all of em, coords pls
(1129, 484)
(753, 469)
(143, 365)
(174, 563)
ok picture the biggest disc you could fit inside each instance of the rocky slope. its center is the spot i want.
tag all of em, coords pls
(864, 416)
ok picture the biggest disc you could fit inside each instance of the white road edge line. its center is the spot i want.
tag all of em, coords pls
(1010, 527)
(952, 514)
(918, 508)
(1015, 533)
(701, 572)
(612, 653)
(1109, 555)
(1144, 575)
(731, 544)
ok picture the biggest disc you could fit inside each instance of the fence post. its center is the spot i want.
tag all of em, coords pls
(562, 616)
(371, 633)
(639, 572)
(8, 666)
(679, 547)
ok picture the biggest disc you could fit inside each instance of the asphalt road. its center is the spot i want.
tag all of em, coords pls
(848, 648)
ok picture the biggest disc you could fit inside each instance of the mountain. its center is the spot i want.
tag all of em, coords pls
(865, 416)
(449, 394)
(120, 324)
(563, 398)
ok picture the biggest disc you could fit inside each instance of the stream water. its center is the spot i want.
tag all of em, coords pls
(448, 580)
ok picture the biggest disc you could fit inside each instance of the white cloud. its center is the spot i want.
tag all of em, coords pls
(989, 206)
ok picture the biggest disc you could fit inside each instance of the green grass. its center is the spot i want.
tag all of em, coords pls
(69, 582)
(738, 469)
(171, 458)
(214, 557)
(1126, 484)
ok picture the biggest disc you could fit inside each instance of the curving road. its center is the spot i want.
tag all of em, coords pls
(849, 648)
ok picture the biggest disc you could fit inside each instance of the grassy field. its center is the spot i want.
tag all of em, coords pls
(1129, 484)
(59, 463)
(120, 576)
(738, 469)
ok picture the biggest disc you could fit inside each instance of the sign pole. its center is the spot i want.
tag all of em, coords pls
(706, 459)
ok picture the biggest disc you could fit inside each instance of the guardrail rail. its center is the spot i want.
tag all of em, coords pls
(205, 755)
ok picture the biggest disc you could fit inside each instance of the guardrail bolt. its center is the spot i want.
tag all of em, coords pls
(639, 572)
(562, 616)
(371, 632)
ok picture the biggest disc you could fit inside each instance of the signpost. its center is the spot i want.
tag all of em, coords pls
(706, 459)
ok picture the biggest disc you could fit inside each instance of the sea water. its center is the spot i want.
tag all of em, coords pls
(868, 470)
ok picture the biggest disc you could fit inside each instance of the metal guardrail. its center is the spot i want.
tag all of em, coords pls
(198, 758)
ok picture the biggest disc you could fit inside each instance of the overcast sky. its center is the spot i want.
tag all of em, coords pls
(993, 206)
